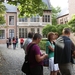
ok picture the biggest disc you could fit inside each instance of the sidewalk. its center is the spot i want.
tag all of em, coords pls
(11, 61)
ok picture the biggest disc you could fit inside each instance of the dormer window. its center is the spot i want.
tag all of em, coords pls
(46, 18)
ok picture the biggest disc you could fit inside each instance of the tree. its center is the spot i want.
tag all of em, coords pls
(53, 28)
(72, 23)
(48, 28)
(55, 12)
(29, 7)
(2, 11)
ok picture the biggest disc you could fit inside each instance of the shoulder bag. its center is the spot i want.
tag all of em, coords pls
(26, 67)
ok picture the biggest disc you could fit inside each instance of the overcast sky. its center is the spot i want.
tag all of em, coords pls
(61, 3)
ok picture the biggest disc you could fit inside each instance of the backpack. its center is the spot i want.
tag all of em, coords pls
(26, 66)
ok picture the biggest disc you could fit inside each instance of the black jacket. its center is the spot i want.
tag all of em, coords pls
(63, 50)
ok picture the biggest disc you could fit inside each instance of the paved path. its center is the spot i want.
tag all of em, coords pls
(12, 60)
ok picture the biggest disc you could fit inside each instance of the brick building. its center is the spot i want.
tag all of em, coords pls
(67, 13)
(9, 28)
(20, 27)
(63, 16)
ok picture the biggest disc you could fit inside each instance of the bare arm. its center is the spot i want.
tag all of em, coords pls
(40, 58)
(52, 49)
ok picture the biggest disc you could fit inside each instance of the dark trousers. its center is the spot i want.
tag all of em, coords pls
(38, 70)
(14, 45)
(21, 44)
(7, 45)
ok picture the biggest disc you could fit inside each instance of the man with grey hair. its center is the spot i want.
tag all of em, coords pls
(27, 41)
(64, 49)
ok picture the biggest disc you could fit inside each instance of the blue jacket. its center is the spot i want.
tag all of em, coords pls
(63, 50)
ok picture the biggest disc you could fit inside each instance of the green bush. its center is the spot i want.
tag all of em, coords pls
(42, 44)
(54, 28)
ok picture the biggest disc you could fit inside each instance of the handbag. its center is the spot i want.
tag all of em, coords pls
(46, 62)
(26, 66)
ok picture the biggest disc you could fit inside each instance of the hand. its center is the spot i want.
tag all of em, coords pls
(43, 53)
(46, 55)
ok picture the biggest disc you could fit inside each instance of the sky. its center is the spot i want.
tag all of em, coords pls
(61, 3)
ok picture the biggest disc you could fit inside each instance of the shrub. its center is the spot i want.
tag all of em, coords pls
(42, 44)
(54, 28)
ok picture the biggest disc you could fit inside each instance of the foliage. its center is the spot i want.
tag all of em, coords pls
(55, 11)
(72, 23)
(42, 45)
(2, 20)
(29, 7)
(53, 28)
(2, 11)
(49, 28)
(60, 28)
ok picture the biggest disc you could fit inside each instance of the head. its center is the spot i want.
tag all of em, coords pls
(37, 38)
(56, 35)
(51, 36)
(16, 36)
(30, 35)
(66, 31)
(13, 38)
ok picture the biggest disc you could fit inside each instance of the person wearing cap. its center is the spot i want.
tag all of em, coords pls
(64, 49)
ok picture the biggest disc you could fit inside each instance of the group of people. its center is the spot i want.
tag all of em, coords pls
(60, 51)
(13, 41)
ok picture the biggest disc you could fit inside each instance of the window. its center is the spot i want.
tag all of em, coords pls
(2, 34)
(11, 20)
(61, 21)
(22, 32)
(11, 33)
(46, 18)
(66, 20)
(23, 19)
(35, 18)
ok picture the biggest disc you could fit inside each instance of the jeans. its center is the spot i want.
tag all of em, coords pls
(14, 45)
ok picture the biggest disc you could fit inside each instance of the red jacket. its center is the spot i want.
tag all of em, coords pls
(21, 40)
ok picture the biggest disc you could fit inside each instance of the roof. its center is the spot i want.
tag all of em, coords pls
(10, 8)
(63, 12)
(47, 2)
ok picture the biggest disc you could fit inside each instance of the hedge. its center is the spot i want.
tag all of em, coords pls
(42, 44)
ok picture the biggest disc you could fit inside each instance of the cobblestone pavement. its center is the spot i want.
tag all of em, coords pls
(12, 60)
